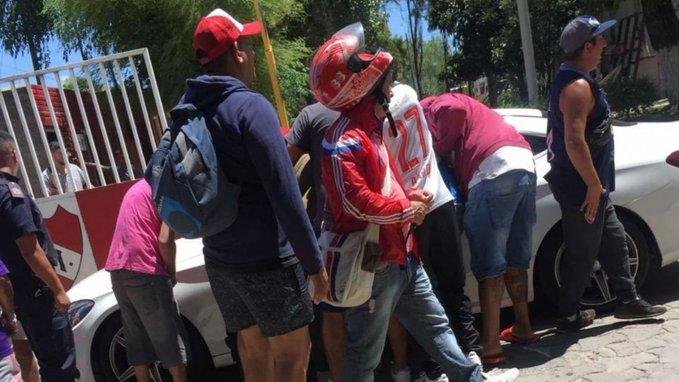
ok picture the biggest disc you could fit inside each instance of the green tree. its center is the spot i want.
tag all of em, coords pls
(322, 18)
(416, 10)
(431, 79)
(432, 67)
(166, 28)
(486, 39)
(23, 27)
(480, 39)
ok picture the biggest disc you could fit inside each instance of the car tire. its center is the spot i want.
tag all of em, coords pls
(109, 360)
(547, 285)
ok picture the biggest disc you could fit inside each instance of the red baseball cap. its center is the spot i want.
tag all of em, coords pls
(216, 33)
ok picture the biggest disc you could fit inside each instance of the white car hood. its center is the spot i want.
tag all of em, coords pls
(189, 255)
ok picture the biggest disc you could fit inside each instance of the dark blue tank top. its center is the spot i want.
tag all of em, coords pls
(598, 133)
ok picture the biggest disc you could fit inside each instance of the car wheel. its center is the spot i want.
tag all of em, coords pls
(109, 356)
(599, 292)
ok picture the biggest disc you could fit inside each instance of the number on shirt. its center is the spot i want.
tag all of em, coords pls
(408, 159)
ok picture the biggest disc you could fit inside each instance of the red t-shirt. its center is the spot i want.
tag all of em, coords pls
(469, 129)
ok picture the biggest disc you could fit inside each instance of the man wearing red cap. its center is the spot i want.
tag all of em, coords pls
(256, 267)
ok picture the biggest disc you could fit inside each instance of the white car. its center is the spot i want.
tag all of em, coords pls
(646, 199)
(97, 328)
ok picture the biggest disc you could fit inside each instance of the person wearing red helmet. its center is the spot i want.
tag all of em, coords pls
(347, 78)
(256, 266)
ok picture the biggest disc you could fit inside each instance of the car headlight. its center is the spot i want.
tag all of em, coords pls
(78, 310)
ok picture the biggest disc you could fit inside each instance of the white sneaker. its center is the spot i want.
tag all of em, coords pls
(423, 377)
(402, 375)
(474, 358)
(507, 376)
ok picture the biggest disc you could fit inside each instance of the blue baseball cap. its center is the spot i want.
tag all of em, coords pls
(582, 29)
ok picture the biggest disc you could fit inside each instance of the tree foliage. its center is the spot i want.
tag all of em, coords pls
(165, 27)
(486, 39)
(416, 10)
(23, 27)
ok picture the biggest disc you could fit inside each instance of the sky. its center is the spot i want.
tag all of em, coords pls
(398, 22)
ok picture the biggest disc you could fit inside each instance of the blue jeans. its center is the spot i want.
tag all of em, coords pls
(499, 218)
(406, 292)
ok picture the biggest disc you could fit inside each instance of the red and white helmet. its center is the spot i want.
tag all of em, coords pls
(342, 72)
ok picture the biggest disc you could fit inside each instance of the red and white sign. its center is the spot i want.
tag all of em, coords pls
(81, 225)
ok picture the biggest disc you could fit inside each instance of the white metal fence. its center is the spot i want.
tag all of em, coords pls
(96, 110)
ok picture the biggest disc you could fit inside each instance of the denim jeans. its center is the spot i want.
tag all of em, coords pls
(406, 292)
(499, 219)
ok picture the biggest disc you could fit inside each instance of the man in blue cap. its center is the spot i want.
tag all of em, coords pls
(582, 176)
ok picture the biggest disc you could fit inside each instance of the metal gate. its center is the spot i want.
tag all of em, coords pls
(96, 110)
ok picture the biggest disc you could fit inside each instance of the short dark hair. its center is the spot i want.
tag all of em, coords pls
(54, 146)
(7, 145)
(574, 55)
(217, 64)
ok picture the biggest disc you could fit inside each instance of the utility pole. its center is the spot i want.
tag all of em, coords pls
(527, 47)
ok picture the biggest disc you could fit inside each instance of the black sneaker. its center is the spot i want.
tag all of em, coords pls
(638, 308)
(584, 318)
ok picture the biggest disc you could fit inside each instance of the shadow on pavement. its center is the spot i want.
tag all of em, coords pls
(553, 344)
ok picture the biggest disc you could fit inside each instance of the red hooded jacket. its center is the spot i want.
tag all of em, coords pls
(353, 175)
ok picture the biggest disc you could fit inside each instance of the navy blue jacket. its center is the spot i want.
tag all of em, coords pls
(272, 224)
(19, 215)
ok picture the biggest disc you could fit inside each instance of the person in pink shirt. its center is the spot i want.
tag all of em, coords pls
(142, 265)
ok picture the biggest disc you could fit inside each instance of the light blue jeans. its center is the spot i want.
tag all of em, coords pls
(406, 292)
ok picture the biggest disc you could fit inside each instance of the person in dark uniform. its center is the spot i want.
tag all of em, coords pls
(27, 250)
(582, 176)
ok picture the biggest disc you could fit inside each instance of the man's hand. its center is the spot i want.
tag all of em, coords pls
(590, 207)
(423, 196)
(420, 209)
(420, 201)
(320, 285)
(9, 323)
(62, 302)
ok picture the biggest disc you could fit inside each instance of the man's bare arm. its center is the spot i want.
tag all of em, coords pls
(576, 103)
(6, 296)
(168, 249)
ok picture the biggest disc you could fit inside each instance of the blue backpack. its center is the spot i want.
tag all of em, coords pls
(192, 195)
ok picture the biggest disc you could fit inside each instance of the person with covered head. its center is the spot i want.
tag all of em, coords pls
(361, 188)
(257, 267)
(496, 172)
(582, 176)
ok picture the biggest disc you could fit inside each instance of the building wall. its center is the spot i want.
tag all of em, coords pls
(648, 63)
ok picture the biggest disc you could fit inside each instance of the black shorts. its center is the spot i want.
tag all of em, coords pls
(277, 300)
